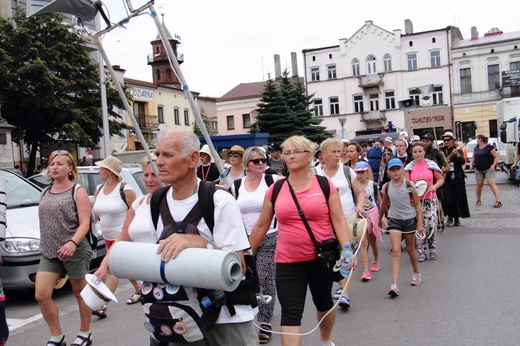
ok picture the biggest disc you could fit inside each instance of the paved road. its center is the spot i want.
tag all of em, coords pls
(468, 295)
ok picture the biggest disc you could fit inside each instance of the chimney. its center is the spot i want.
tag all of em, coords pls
(408, 27)
(294, 64)
(277, 67)
(474, 33)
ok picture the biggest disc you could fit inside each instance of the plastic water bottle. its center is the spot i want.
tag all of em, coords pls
(346, 259)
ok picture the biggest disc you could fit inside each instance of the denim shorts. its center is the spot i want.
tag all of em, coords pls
(487, 174)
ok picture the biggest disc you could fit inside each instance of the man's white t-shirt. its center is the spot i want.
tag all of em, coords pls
(228, 234)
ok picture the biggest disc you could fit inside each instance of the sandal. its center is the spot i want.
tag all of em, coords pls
(478, 204)
(135, 298)
(497, 204)
(57, 343)
(265, 335)
(101, 312)
(82, 340)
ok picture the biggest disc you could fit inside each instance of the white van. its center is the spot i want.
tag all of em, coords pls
(470, 146)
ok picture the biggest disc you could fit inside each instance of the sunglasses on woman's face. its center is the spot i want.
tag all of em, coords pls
(257, 161)
(234, 155)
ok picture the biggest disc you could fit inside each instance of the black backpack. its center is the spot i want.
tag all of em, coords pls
(121, 191)
(267, 177)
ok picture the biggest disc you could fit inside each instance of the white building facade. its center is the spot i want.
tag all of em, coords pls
(362, 80)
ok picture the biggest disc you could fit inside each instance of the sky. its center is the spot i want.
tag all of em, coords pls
(229, 42)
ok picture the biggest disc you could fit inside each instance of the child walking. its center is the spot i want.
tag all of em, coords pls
(372, 200)
(403, 219)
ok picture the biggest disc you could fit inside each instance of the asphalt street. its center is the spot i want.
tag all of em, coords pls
(468, 295)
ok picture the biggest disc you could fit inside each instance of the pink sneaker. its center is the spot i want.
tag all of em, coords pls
(366, 276)
(416, 280)
(375, 266)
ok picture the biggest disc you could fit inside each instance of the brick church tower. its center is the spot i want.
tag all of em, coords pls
(162, 71)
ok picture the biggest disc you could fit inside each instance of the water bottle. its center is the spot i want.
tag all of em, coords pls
(346, 260)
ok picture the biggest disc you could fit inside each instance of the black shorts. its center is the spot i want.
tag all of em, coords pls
(407, 226)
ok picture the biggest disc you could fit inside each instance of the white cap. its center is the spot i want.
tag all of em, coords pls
(403, 134)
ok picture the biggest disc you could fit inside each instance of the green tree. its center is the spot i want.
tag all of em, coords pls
(284, 111)
(207, 123)
(49, 86)
(274, 115)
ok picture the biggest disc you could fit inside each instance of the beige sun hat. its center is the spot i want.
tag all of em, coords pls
(234, 149)
(113, 164)
(205, 150)
(448, 134)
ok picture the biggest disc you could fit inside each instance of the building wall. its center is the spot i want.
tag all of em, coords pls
(237, 109)
(373, 40)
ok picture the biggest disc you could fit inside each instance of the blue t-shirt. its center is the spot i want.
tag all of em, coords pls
(483, 158)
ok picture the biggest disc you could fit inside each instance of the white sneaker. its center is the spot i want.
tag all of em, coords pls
(338, 293)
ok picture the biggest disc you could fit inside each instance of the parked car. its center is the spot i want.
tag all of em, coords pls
(21, 249)
(89, 179)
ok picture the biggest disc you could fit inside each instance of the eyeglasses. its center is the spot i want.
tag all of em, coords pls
(234, 155)
(257, 161)
(448, 140)
(388, 154)
(296, 152)
(62, 152)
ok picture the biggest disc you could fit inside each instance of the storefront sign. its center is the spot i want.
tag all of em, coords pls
(143, 94)
(428, 119)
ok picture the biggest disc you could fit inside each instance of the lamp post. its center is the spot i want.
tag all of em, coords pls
(342, 123)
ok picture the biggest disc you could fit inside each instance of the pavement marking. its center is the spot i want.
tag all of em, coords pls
(15, 323)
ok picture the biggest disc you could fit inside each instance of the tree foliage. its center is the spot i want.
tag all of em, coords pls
(206, 121)
(284, 111)
(49, 86)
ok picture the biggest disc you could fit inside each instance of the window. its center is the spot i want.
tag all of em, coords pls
(387, 61)
(315, 74)
(414, 94)
(186, 117)
(465, 80)
(493, 77)
(493, 128)
(176, 116)
(214, 126)
(158, 74)
(358, 103)
(513, 66)
(435, 58)
(318, 108)
(246, 120)
(389, 100)
(437, 95)
(160, 114)
(411, 59)
(331, 72)
(371, 64)
(374, 102)
(355, 67)
(168, 74)
(334, 105)
(230, 122)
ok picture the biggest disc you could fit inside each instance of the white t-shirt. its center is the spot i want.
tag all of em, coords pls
(345, 195)
(250, 203)
(228, 234)
(111, 210)
(140, 229)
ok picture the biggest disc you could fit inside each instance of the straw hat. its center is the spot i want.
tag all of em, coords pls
(96, 295)
(113, 164)
(234, 149)
(448, 134)
(205, 150)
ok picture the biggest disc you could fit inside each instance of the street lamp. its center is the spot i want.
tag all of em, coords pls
(426, 91)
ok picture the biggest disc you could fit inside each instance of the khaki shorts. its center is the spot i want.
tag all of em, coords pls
(76, 267)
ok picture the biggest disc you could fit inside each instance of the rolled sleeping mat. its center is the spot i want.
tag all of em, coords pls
(193, 267)
(3, 209)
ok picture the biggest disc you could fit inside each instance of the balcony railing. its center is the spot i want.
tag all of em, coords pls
(373, 116)
(147, 123)
(371, 80)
